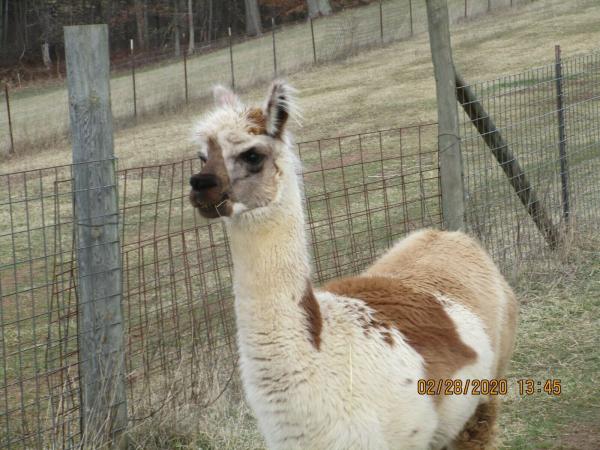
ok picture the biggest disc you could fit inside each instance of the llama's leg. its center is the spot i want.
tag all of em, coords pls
(480, 432)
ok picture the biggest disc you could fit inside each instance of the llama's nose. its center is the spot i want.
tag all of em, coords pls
(203, 182)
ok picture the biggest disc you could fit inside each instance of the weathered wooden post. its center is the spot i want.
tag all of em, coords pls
(100, 321)
(562, 137)
(507, 160)
(451, 168)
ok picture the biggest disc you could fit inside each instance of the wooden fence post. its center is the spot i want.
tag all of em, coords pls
(103, 405)
(562, 137)
(451, 168)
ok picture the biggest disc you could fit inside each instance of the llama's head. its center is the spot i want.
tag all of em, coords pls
(245, 151)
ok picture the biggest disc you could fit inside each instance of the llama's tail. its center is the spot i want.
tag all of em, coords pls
(480, 432)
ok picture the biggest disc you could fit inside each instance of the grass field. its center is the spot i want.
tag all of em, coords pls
(161, 86)
(395, 81)
(557, 339)
(381, 88)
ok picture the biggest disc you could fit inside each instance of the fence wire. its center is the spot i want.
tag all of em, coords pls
(525, 108)
(362, 192)
(161, 77)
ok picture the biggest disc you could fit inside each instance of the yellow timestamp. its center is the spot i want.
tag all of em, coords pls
(526, 386)
(529, 386)
(462, 387)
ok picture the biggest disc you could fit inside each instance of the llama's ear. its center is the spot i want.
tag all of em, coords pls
(225, 96)
(279, 106)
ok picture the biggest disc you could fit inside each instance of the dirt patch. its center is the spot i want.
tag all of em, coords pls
(582, 437)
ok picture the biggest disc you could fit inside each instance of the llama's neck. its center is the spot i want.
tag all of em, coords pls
(271, 269)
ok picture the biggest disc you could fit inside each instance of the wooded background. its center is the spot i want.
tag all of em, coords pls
(31, 30)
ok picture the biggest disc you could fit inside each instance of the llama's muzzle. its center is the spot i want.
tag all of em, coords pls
(208, 197)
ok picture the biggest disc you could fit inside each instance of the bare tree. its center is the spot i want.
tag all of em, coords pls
(141, 19)
(191, 36)
(176, 24)
(318, 8)
(253, 27)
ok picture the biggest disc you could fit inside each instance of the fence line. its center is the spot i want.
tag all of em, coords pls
(543, 114)
(362, 193)
(143, 84)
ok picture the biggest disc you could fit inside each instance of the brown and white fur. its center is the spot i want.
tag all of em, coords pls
(337, 368)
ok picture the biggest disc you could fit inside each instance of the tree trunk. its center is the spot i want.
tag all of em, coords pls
(324, 7)
(46, 34)
(191, 36)
(140, 19)
(318, 8)
(46, 55)
(210, 21)
(253, 27)
(146, 31)
(177, 42)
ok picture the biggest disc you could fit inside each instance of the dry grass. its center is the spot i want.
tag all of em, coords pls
(557, 339)
(395, 81)
(559, 314)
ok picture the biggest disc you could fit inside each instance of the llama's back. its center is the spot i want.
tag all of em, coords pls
(462, 275)
(455, 265)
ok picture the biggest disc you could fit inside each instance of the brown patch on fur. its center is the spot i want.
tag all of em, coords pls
(309, 303)
(480, 431)
(418, 316)
(387, 337)
(456, 265)
(216, 163)
(258, 121)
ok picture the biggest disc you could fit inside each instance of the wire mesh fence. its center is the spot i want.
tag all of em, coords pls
(149, 83)
(362, 192)
(549, 122)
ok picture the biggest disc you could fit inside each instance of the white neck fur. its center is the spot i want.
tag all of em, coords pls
(271, 262)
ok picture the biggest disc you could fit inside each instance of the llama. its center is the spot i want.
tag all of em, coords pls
(339, 367)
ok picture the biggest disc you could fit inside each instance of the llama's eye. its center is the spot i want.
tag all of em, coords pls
(202, 157)
(252, 157)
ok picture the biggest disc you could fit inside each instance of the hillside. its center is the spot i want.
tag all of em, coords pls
(383, 87)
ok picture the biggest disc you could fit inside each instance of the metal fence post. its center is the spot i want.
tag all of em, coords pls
(95, 206)
(132, 55)
(450, 159)
(562, 142)
(466, 8)
(231, 59)
(185, 75)
(274, 48)
(312, 34)
(381, 20)
(410, 12)
(10, 130)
